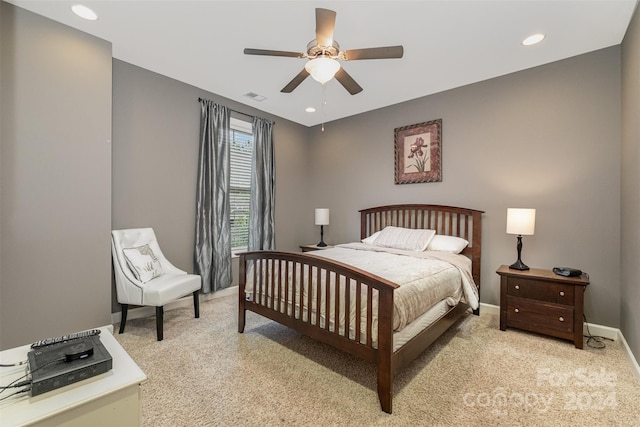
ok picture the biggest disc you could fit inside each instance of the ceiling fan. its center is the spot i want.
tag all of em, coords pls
(323, 54)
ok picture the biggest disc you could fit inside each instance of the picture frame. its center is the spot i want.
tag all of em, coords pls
(418, 152)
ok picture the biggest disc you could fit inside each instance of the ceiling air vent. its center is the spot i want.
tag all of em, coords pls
(255, 96)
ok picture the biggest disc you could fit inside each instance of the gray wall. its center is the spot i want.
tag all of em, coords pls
(156, 122)
(55, 170)
(546, 138)
(630, 319)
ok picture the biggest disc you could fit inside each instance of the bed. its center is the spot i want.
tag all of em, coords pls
(355, 310)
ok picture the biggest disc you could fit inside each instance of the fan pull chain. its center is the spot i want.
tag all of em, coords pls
(324, 101)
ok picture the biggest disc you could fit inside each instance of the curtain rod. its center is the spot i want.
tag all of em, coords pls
(230, 109)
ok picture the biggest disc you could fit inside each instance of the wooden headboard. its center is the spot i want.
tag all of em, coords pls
(446, 220)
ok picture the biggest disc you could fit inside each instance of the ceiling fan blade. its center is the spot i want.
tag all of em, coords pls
(296, 81)
(266, 52)
(347, 81)
(373, 53)
(325, 25)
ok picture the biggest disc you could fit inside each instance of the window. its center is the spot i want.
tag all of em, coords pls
(240, 183)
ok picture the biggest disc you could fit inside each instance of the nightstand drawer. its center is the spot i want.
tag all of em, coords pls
(533, 315)
(557, 293)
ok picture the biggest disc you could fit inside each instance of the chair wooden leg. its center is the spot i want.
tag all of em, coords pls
(159, 321)
(196, 303)
(123, 318)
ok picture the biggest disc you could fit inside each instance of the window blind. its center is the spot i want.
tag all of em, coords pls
(240, 186)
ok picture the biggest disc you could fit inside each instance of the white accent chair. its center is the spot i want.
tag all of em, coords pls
(148, 286)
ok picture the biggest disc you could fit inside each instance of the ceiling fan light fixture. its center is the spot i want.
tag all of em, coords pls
(322, 69)
(322, 55)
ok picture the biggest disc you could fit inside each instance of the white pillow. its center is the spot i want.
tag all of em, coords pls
(447, 244)
(143, 263)
(369, 240)
(404, 238)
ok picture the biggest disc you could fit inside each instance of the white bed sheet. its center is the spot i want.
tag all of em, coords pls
(402, 337)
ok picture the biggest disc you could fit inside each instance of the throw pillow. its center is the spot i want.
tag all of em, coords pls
(143, 263)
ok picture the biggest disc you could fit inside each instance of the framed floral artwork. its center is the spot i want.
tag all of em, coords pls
(418, 152)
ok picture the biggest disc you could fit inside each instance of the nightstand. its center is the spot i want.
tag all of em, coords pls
(309, 248)
(541, 301)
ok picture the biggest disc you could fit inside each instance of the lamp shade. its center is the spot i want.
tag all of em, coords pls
(322, 69)
(322, 216)
(521, 221)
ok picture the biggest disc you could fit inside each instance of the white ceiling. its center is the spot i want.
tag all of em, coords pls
(447, 43)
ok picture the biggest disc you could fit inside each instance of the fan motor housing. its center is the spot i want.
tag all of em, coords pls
(314, 49)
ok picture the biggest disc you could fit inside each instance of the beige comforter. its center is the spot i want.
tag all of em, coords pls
(424, 278)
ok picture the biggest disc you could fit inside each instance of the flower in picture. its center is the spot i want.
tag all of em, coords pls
(417, 153)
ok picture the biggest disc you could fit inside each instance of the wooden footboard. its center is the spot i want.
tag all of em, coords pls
(283, 290)
(340, 308)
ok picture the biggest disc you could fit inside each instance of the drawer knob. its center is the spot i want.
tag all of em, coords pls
(516, 310)
(517, 287)
(561, 293)
(561, 319)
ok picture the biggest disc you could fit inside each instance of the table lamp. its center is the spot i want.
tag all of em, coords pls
(523, 223)
(322, 219)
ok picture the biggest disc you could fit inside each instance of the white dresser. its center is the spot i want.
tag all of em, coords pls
(109, 399)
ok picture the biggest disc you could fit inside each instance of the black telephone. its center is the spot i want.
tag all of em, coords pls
(567, 271)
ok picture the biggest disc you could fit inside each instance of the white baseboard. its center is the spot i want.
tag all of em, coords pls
(632, 359)
(601, 331)
(140, 312)
(489, 309)
(589, 329)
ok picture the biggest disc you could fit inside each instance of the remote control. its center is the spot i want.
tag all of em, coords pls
(65, 338)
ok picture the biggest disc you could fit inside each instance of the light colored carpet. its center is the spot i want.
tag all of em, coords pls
(205, 373)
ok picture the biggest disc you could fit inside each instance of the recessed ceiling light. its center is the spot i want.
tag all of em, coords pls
(310, 110)
(533, 39)
(84, 12)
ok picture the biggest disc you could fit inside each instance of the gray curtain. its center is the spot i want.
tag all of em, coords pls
(213, 228)
(263, 185)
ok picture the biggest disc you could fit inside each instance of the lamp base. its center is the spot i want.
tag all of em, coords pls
(322, 244)
(519, 265)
